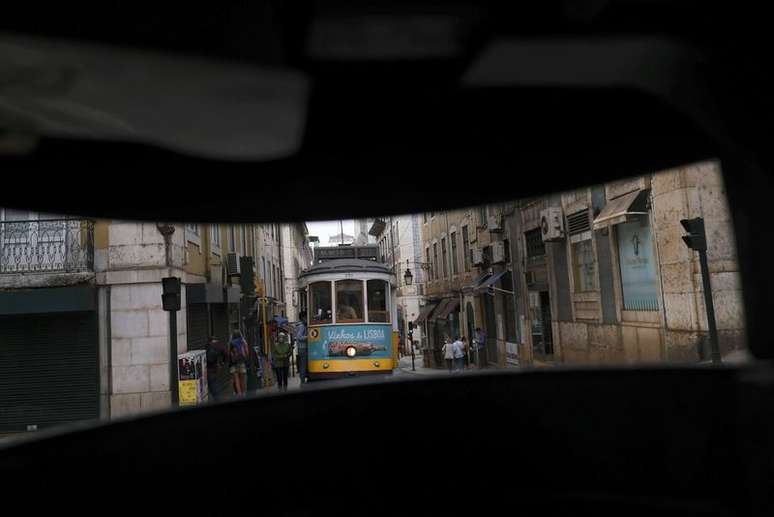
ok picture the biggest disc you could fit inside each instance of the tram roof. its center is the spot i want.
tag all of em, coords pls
(347, 266)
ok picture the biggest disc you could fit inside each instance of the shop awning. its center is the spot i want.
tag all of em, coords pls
(425, 312)
(489, 282)
(440, 309)
(476, 282)
(452, 304)
(619, 210)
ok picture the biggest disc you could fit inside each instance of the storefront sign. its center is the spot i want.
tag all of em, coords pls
(191, 372)
(512, 353)
(638, 267)
(370, 340)
(189, 393)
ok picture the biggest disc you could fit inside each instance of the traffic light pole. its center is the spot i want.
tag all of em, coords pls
(170, 302)
(697, 241)
(173, 384)
(411, 344)
(711, 324)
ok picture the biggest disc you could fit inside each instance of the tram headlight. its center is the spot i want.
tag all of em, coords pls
(351, 351)
(376, 364)
(325, 365)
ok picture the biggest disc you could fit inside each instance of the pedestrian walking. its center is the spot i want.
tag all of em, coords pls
(280, 359)
(216, 359)
(481, 347)
(238, 363)
(301, 347)
(459, 354)
(448, 353)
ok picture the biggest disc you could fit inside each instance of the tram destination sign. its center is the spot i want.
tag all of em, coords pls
(346, 252)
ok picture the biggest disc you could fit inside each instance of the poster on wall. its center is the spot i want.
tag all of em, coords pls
(637, 264)
(512, 353)
(192, 378)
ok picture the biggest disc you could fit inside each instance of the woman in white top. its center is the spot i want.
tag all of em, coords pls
(459, 354)
(448, 353)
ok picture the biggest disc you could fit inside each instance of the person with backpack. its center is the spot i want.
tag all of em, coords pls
(238, 362)
(301, 346)
(280, 359)
(216, 357)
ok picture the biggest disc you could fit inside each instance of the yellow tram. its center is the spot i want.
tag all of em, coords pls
(351, 316)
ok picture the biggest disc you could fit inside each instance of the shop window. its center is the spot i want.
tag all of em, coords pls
(637, 265)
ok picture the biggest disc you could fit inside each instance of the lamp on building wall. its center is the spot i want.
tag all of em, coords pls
(408, 278)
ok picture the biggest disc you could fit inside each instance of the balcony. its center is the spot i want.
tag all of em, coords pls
(46, 246)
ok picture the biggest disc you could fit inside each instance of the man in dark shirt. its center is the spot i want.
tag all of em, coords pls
(216, 357)
(481, 347)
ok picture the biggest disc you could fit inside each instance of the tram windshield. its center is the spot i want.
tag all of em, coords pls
(377, 301)
(349, 301)
(321, 303)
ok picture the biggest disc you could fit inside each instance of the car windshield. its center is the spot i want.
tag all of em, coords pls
(106, 318)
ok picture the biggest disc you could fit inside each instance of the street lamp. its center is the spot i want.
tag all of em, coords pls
(408, 279)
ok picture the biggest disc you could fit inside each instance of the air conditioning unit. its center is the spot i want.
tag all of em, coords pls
(552, 224)
(232, 265)
(477, 256)
(498, 252)
(494, 223)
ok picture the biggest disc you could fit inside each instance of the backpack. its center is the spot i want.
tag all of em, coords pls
(237, 352)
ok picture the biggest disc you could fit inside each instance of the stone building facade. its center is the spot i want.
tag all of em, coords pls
(598, 275)
(447, 240)
(297, 257)
(620, 285)
(399, 242)
(88, 293)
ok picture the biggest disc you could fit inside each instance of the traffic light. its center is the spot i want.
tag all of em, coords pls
(170, 295)
(696, 238)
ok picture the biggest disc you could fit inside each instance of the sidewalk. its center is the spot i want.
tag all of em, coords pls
(404, 366)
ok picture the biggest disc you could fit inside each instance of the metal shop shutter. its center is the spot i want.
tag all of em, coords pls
(220, 329)
(220, 321)
(49, 370)
(198, 326)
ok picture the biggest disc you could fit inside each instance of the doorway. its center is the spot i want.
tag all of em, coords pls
(540, 324)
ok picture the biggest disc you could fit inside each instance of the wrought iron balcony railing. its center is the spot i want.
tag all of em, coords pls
(50, 245)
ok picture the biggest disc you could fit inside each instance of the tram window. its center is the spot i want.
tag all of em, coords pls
(377, 301)
(322, 308)
(349, 301)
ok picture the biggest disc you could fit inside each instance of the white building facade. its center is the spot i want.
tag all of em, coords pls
(399, 239)
(297, 257)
